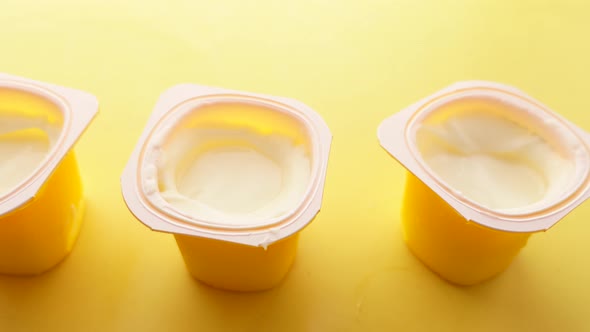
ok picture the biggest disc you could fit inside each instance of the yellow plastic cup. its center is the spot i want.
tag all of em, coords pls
(460, 251)
(252, 255)
(459, 239)
(233, 266)
(40, 218)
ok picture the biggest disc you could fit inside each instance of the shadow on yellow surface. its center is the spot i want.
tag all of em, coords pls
(521, 296)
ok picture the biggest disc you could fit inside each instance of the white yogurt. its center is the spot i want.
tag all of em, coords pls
(232, 176)
(494, 161)
(24, 144)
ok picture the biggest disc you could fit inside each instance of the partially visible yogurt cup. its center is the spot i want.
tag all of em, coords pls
(487, 167)
(41, 199)
(234, 176)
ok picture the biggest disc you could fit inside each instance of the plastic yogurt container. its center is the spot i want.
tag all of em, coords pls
(41, 199)
(234, 176)
(487, 167)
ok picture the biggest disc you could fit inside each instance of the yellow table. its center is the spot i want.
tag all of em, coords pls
(355, 62)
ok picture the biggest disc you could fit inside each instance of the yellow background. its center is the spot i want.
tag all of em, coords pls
(355, 62)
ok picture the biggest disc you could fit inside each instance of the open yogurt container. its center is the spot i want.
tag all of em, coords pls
(41, 199)
(487, 167)
(234, 176)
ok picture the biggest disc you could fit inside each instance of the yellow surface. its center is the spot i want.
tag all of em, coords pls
(355, 62)
(461, 252)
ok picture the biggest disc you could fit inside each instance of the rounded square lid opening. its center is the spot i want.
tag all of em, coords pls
(498, 152)
(228, 162)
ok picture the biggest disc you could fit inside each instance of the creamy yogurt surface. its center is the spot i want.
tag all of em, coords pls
(494, 161)
(232, 176)
(24, 144)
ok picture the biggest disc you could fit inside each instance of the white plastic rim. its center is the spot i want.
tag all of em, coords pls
(167, 125)
(533, 114)
(182, 100)
(397, 136)
(78, 109)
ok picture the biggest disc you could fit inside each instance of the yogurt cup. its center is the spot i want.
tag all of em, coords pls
(41, 199)
(234, 176)
(487, 167)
